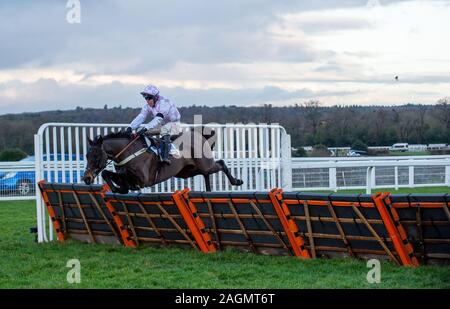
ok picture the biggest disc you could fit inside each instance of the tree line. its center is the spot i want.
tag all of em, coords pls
(309, 123)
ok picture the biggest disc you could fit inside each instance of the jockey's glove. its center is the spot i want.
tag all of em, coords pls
(142, 131)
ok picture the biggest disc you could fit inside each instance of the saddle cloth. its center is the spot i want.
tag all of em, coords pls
(173, 150)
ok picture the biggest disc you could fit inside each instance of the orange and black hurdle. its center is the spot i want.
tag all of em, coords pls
(244, 220)
(159, 218)
(405, 229)
(340, 225)
(79, 212)
(394, 228)
(424, 220)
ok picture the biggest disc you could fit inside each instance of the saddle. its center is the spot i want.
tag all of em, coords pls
(154, 144)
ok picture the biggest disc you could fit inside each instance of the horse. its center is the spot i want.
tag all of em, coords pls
(137, 168)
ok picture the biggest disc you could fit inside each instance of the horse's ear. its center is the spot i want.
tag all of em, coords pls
(98, 140)
(90, 142)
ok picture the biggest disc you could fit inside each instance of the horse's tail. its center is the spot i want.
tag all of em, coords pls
(208, 136)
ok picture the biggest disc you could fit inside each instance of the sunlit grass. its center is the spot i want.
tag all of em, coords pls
(425, 190)
(26, 264)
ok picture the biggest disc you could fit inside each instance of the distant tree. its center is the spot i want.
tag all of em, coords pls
(379, 125)
(420, 126)
(320, 150)
(391, 137)
(443, 107)
(436, 134)
(312, 114)
(308, 123)
(359, 145)
(301, 152)
(13, 154)
(406, 127)
(267, 113)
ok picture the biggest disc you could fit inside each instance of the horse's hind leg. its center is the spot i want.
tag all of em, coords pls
(220, 165)
(207, 183)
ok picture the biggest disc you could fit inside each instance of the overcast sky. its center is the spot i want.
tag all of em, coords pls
(223, 52)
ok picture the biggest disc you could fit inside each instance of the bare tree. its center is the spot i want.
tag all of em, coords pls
(443, 114)
(312, 114)
(406, 127)
(420, 124)
(380, 123)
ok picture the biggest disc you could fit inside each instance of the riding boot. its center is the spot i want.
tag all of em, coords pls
(166, 149)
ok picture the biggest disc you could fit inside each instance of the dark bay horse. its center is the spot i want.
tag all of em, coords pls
(146, 170)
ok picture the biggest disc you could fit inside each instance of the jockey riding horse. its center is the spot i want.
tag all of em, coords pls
(166, 119)
(123, 148)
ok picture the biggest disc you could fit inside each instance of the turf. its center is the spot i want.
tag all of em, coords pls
(393, 191)
(409, 153)
(26, 264)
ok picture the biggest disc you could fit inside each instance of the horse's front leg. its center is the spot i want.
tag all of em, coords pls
(106, 175)
(116, 182)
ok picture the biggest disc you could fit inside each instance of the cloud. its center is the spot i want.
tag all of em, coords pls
(316, 24)
(247, 52)
(142, 35)
(137, 36)
(29, 96)
(17, 97)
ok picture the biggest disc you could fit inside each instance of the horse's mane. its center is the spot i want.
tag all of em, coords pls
(120, 134)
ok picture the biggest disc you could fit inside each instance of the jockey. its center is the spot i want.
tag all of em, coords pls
(166, 118)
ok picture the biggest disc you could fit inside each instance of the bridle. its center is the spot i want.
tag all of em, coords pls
(108, 161)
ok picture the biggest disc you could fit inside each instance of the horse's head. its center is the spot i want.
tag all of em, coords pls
(96, 159)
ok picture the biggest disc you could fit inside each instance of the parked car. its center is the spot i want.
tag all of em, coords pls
(400, 147)
(22, 182)
(352, 153)
(356, 153)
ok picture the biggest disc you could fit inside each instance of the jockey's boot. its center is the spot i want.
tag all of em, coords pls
(166, 149)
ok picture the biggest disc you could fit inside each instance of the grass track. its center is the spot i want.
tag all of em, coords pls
(25, 264)
(399, 191)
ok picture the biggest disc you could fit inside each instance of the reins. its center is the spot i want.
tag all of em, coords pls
(125, 148)
(116, 156)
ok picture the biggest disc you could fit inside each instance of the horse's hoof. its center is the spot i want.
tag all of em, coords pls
(239, 182)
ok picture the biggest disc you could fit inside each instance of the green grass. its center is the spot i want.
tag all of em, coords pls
(26, 264)
(409, 153)
(393, 191)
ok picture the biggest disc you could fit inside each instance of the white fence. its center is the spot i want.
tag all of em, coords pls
(258, 154)
(254, 153)
(308, 174)
(370, 172)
